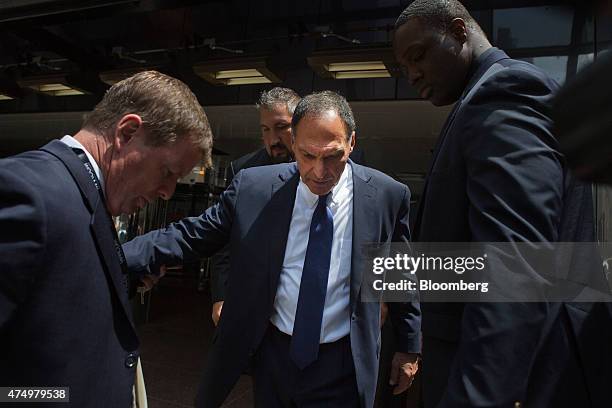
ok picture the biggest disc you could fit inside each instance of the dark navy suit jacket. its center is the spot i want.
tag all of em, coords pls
(497, 176)
(254, 215)
(64, 310)
(220, 271)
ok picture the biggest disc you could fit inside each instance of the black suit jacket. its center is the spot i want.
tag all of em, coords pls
(254, 216)
(497, 176)
(64, 310)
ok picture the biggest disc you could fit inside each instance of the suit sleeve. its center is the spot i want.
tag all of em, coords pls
(515, 189)
(219, 274)
(22, 246)
(188, 239)
(405, 316)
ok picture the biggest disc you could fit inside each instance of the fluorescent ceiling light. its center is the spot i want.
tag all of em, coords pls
(362, 74)
(356, 66)
(51, 85)
(354, 63)
(239, 71)
(247, 81)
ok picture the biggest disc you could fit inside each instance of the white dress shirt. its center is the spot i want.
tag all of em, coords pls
(336, 313)
(72, 142)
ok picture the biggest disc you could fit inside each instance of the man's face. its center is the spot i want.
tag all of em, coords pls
(321, 151)
(276, 132)
(139, 173)
(436, 63)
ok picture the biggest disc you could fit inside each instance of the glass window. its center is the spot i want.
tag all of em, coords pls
(531, 27)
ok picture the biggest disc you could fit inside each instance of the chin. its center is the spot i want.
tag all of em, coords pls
(319, 190)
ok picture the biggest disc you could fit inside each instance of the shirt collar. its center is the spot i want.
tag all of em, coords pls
(311, 199)
(72, 142)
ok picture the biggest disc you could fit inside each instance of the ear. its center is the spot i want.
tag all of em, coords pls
(458, 29)
(353, 137)
(127, 128)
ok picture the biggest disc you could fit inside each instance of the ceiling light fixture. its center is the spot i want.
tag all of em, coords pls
(354, 63)
(53, 85)
(237, 72)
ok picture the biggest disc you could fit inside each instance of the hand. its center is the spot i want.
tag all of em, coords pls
(148, 281)
(216, 312)
(384, 310)
(404, 367)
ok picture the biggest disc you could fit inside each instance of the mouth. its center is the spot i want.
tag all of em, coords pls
(278, 148)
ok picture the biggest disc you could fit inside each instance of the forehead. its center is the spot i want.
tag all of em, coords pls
(412, 33)
(278, 112)
(322, 129)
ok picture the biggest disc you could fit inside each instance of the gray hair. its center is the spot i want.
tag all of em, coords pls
(278, 96)
(318, 103)
(438, 13)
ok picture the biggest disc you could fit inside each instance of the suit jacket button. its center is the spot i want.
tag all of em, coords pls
(131, 360)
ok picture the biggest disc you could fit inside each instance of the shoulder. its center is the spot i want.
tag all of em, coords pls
(257, 158)
(380, 180)
(42, 171)
(270, 172)
(518, 80)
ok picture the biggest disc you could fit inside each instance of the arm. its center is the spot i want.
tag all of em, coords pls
(190, 238)
(219, 274)
(515, 188)
(405, 318)
(22, 246)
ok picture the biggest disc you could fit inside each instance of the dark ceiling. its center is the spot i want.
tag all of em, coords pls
(84, 38)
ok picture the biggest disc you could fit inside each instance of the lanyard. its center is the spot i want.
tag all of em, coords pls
(94, 179)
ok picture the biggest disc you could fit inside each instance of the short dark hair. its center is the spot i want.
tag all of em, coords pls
(316, 104)
(278, 96)
(438, 13)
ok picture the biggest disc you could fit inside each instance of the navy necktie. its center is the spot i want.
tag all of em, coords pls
(304, 347)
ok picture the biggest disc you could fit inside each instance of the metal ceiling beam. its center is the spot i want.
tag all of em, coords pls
(48, 41)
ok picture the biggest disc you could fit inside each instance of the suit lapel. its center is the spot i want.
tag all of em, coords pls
(365, 229)
(281, 204)
(100, 225)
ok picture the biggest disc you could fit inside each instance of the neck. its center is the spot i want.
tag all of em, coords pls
(479, 44)
(98, 146)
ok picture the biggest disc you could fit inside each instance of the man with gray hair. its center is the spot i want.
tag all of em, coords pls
(65, 317)
(293, 305)
(276, 108)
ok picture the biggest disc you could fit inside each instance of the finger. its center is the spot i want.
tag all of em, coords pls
(394, 373)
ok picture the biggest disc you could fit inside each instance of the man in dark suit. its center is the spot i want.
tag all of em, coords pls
(276, 108)
(65, 318)
(496, 176)
(293, 304)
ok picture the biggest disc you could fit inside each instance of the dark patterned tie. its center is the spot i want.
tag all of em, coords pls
(313, 287)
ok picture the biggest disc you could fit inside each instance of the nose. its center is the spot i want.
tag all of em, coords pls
(414, 74)
(319, 169)
(166, 190)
